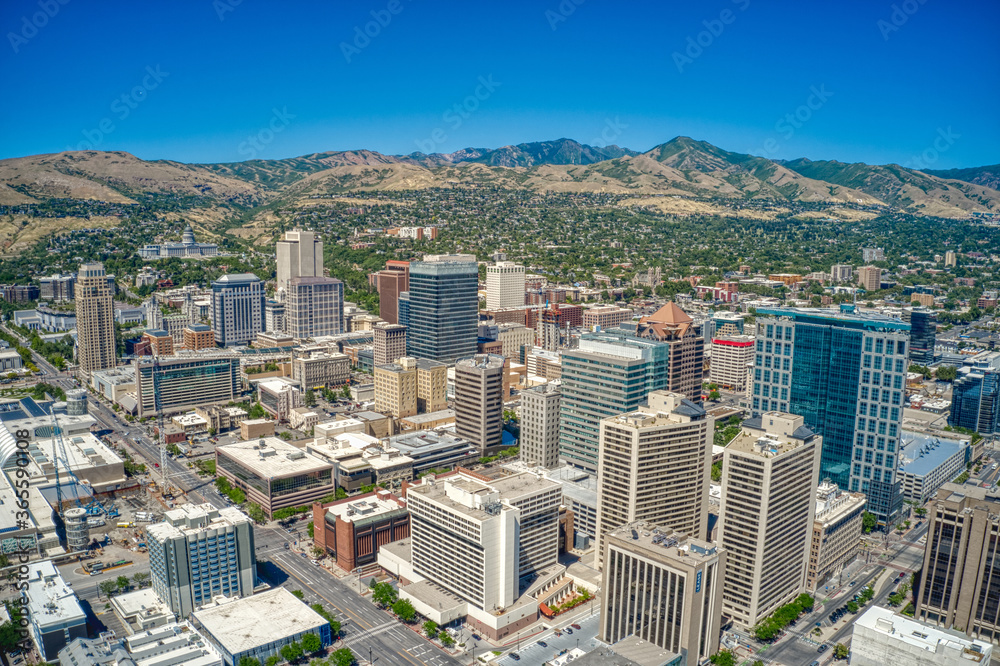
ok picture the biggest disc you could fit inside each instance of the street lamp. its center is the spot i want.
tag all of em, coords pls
(369, 655)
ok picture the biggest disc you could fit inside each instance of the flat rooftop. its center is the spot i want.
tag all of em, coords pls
(366, 508)
(243, 624)
(50, 601)
(430, 417)
(272, 457)
(664, 543)
(836, 317)
(924, 636)
(192, 519)
(921, 454)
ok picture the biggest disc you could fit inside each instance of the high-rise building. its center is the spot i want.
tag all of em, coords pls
(609, 373)
(95, 320)
(950, 259)
(237, 309)
(870, 254)
(389, 342)
(160, 342)
(198, 336)
(432, 386)
(870, 278)
(274, 316)
(836, 535)
(665, 588)
(686, 362)
(390, 283)
(504, 285)
(444, 307)
(515, 341)
(923, 334)
(170, 385)
(396, 388)
(841, 272)
(769, 477)
(479, 400)
(299, 254)
(655, 465)
(200, 552)
(732, 361)
(845, 373)
(540, 424)
(314, 306)
(959, 586)
(975, 399)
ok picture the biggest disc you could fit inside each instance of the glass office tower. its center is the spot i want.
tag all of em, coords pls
(845, 374)
(975, 400)
(443, 317)
(923, 334)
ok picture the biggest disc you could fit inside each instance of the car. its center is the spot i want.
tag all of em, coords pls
(575, 626)
(822, 648)
(568, 630)
(316, 562)
(542, 644)
(815, 663)
(304, 556)
(156, 464)
(515, 656)
(557, 632)
(853, 583)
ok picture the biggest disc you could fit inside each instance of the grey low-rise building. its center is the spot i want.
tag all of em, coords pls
(433, 449)
(53, 611)
(926, 462)
(884, 638)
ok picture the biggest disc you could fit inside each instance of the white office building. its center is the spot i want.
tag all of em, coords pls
(884, 638)
(504, 285)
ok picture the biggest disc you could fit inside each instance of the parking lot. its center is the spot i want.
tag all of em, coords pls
(542, 647)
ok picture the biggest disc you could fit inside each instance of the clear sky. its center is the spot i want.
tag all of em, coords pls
(215, 81)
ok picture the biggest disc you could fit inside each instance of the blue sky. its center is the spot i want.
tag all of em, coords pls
(909, 82)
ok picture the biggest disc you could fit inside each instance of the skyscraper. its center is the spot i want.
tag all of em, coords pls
(655, 464)
(504, 285)
(923, 334)
(389, 342)
(95, 320)
(870, 278)
(479, 400)
(237, 309)
(960, 583)
(686, 359)
(314, 306)
(769, 477)
(975, 399)
(299, 254)
(392, 282)
(540, 424)
(609, 373)
(443, 317)
(200, 552)
(845, 373)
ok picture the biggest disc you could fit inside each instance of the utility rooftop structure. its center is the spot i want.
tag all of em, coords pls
(883, 638)
(54, 615)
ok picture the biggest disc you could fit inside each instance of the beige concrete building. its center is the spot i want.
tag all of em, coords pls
(299, 254)
(663, 587)
(732, 359)
(540, 424)
(926, 300)
(960, 585)
(389, 342)
(396, 388)
(95, 320)
(504, 285)
(605, 316)
(256, 428)
(870, 278)
(314, 307)
(321, 369)
(479, 400)
(654, 465)
(432, 386)
(513, 338)
(769, 476)
(841, 272)
(950, 259)
(836, 535)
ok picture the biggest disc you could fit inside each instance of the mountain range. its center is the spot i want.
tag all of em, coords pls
(682, 167)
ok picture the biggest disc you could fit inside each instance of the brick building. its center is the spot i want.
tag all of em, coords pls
(353, 529)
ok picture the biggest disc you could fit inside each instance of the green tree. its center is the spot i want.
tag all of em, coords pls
(852, 606)
(343, 657)
(141, 578)
(723, 658)
(840, 651)
(310, 528)
(249, 661)
(256, 512)
(446, 639)
(122, 583)
(717, 471)
(714, 395)
(946, 373)
(256, 411)
(273, 660)
(868, 522)
(311, 643)
(431, 629)
(299, 594)
(292, 651)
(384, 594)
(404, 610)
(108, 587)
(309, 398)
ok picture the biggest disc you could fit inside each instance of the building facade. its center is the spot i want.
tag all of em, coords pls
(353, 529)
(845, 373)
(314, 306)
(443, 313)
(95, 321)
(655, 465)
(299, 254)
(479, 400)
(836, 534)
(237, 309)
(389, 342)
(975, 399)
(870, 278)
(432, 386)
(923, 334)
(769, 476)
(170, 385)
(198, 336)
(199, 552)
(732, 361)
(504, 285)
(396, 388)
(390, 283)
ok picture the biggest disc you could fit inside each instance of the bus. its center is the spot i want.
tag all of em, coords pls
(126, 524)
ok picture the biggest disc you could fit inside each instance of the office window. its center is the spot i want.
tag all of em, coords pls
(767, 347)
(878, 346)
(867, 362)
(785, 365)
(857, 454)
(878, 459)
(770, 330)
(864, 392)
(878, 362)
(868, 457)
(868, 344)
(901, 347)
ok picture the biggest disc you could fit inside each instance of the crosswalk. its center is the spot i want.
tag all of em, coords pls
(368, 633)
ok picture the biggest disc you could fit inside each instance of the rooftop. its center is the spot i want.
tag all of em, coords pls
(771, 434)
(373, 505)
(920, 454)
(664, 542)
(243, 624)
(272, 457)
(430, 417)
(832, 317)
(49, 600)
(192, 519)
(924, 636)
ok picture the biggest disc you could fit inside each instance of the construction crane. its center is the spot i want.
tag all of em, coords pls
(59, 455)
